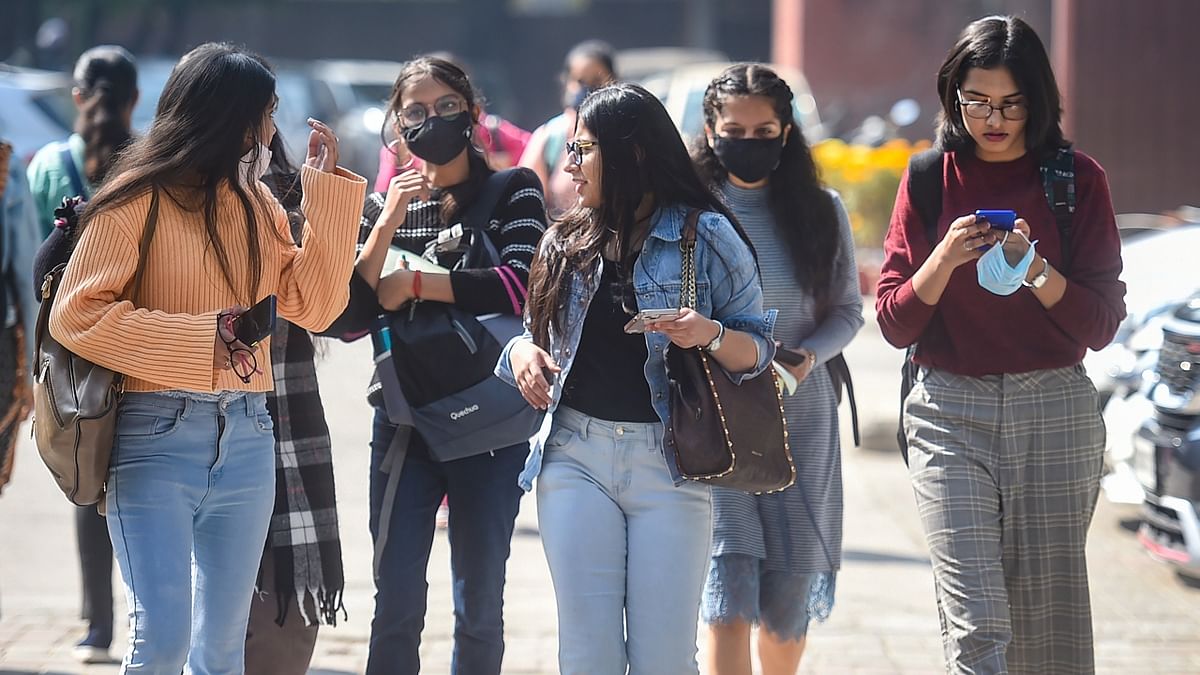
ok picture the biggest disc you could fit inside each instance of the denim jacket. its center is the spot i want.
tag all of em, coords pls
(727, 289)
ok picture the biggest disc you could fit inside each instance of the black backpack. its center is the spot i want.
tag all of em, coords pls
(925, 176)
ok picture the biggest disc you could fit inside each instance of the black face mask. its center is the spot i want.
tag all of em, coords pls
(750, 159)
(439, 140)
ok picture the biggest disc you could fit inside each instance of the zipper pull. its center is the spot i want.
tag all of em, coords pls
(46, 283)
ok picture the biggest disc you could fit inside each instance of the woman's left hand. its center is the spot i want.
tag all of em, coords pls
(689, 329)
(1017, 243)
(802, 371)
(395, 289)
(322, 147)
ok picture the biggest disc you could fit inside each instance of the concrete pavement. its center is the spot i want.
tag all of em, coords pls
(1147, 619)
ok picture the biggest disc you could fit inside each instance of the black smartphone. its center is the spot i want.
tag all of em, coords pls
(257, 323)
(789, 357)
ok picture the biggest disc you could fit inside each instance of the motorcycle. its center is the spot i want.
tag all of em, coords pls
(1166, 453)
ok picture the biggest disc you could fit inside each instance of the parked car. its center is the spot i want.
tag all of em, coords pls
(352, 96)
(682, 89)
(35, 108)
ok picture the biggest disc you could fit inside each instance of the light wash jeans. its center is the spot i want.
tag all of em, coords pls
(190, 493)
(627, 549)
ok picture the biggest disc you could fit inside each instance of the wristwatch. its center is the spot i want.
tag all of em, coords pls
(716, 342)
(1040, 279)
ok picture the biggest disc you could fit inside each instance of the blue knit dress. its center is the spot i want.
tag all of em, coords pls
(794, 535)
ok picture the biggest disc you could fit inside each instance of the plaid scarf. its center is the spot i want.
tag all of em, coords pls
(304, 527)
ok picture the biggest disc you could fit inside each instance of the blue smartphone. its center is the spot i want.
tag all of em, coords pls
(999, 220)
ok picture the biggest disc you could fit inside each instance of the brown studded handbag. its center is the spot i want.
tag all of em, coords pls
(724, 434)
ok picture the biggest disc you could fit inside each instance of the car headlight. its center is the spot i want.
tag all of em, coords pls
(372, 119)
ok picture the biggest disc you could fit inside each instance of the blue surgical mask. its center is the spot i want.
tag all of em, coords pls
(996, 275)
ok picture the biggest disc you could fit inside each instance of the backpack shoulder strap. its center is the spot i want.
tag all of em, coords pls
(477, 216)
(67, 160)
(925, 175)
(1058, 182)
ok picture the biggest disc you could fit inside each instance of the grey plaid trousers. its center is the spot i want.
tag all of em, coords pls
(1006, 471)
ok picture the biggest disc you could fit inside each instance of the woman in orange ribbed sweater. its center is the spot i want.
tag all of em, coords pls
(172, 248)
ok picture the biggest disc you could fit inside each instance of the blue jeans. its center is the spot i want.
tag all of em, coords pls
(484, 498)
(627, 549)
(190, 492)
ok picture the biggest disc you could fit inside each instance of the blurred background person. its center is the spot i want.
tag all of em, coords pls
(588, 66)
(19, 237)
(105, 92)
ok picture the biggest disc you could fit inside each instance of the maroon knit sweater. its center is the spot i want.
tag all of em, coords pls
(973, 332)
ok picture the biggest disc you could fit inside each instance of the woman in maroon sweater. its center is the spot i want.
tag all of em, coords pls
(1003, 427)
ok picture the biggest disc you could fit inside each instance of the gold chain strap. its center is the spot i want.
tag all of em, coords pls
(687, 273)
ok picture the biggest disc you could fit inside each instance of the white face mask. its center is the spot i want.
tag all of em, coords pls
(996, 274)
(254, 164)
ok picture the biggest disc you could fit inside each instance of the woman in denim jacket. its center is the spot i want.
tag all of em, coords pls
(626, 537)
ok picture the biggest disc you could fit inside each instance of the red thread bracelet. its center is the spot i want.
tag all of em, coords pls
(416, 284)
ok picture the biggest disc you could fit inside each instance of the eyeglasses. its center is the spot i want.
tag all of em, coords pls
(446, 107)
(577, 149)
(981, 110)
(243, 361)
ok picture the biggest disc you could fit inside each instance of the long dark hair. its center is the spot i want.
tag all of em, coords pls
(215, 98)
(642, 154)
(804, 212)
(1010, 42)
(455, 198)
(106, 79)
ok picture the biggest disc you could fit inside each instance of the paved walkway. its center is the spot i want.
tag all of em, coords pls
(1147, 618)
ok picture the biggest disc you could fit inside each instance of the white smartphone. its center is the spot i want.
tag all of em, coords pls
(638, 323)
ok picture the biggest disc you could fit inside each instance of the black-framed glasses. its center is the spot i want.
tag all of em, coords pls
(243, 361)
(981, 110)
(415, 114)
(577, 149)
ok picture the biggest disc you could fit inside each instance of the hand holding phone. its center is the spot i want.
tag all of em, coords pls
(789, 357)
(257, 323)
(997, 220)
(638, 323)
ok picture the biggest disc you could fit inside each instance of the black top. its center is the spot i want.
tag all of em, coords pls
(608, 377)
(515, 227)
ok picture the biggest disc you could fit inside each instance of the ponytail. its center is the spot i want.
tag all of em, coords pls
(106, 79)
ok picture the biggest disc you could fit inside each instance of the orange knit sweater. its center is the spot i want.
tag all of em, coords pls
(166, 341)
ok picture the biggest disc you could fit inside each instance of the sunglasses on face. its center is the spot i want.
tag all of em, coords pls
(577, 149)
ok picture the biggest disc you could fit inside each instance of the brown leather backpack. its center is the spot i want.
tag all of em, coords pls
(74, 410)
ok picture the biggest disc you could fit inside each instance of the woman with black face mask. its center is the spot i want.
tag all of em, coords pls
(434, 105)
(775, 557)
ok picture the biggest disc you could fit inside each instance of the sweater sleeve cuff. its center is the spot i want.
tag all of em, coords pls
(340, 186)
